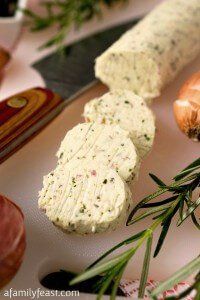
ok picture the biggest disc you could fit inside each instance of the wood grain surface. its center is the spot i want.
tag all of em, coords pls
(19, 113)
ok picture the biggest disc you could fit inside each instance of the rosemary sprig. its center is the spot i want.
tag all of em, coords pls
(119, 260)
(64, 14)
(182, 274)
(163, 212)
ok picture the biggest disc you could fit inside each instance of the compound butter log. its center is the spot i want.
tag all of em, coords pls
(12, 239)
(149, 56)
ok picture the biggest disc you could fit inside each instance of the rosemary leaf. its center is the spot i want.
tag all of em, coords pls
(174, 187)
(194, 184)
(162, 237)
(181, 207)
(96, 287)
(104, 286)
(123, 243)
(159, 203)
(145, 268)
(178, 276)
(107, 281)
(57, 39)
(189, 169)
(117, 282)
(159, 216)
(197, 278)
(188, 212)
(107, 266)
(65, 14)
(166, 224)
(144, 201)
(157, 180)
(195, 221)
(148, 213)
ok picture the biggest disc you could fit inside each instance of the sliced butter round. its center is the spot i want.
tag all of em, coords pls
(109, 145)
(85, 201)
(129, 111)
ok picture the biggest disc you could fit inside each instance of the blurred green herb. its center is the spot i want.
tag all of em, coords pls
(64, 14)
(181, 202)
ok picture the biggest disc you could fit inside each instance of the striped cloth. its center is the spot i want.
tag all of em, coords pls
(130, 289)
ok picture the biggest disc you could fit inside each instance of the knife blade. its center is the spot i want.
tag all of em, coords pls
(67, 76)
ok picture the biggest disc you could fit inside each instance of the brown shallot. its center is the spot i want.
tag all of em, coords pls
(12, 239)
(187, 107)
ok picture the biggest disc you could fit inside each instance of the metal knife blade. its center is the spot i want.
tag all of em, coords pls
(68, 75)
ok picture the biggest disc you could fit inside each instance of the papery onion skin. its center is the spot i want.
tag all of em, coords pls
(187, 107)
(12, 239)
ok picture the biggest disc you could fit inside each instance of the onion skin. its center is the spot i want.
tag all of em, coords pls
(12, 239)
(187, 107)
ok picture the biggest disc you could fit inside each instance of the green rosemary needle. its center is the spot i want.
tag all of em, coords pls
(180, 202)
(182, 274)
(64, 14)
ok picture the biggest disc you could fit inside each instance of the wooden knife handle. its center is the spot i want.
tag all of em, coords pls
(19, 113)
(4, 58)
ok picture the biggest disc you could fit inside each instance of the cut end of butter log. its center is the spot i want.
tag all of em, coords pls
(85, 201)
(89, 144)
(129, 111)
(151, 54)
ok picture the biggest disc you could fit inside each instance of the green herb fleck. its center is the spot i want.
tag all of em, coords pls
(74, 181)
(82, 209)
(147, 137)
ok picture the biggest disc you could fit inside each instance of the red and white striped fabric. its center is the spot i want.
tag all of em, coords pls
(131, 287)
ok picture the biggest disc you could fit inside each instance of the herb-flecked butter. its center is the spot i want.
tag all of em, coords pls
(149, 56)
(85, 201)
(109, 145)
(129, 111)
